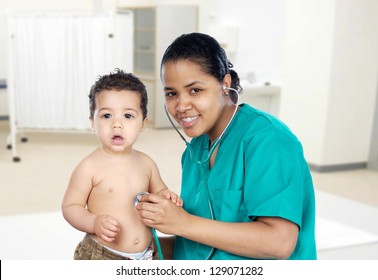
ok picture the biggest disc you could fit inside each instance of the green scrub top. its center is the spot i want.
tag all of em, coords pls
(259, 170)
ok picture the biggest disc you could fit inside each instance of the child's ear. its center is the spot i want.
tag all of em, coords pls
(92, 124)
(145, 121)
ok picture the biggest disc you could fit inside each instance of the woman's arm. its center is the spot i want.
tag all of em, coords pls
(265, 238)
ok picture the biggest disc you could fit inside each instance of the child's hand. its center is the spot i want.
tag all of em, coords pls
(106, 227)
(172, 196)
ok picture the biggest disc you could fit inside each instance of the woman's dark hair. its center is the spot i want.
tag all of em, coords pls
(118, 80)
(205, 51)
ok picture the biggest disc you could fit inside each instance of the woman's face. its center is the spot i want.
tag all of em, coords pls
(194, 99)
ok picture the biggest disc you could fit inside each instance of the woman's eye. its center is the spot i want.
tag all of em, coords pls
(195, 91)
(170, 94)
(106, 116)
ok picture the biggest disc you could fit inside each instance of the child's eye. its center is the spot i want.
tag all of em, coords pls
(128, 116)
(106, 116)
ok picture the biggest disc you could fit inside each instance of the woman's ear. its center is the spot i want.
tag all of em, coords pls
(226, 81)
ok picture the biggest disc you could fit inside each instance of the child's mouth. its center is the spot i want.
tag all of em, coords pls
(117, 140)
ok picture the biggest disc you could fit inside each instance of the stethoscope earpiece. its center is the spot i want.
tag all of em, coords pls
(225, 90)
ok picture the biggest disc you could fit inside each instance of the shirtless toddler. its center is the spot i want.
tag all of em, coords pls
(99, 199)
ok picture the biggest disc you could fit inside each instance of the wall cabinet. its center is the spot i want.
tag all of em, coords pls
(155, 28)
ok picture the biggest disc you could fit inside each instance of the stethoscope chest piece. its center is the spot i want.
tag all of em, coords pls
(138, 196)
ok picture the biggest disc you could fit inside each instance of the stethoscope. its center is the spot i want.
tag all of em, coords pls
(234, 96)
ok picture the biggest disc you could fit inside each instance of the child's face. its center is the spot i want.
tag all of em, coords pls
(118, 119)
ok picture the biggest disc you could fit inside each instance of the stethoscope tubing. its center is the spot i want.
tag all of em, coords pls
(154, 234)
(203, 162)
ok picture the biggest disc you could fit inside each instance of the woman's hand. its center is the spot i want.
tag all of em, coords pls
(172, 196)
(106, 227)
(161, 213)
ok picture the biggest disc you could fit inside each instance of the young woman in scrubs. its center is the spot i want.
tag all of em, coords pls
(258, 180)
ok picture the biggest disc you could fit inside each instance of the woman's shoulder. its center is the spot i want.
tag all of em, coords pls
(252, 114)
(255, 121)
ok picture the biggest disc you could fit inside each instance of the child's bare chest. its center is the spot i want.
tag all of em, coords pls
(119, 184)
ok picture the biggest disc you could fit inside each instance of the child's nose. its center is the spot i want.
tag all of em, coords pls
(117, 124)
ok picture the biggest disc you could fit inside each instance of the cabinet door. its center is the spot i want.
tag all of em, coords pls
(144, 45)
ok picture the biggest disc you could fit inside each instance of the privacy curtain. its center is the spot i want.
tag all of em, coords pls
(55, 60)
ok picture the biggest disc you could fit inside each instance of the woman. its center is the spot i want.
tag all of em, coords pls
(257, 179)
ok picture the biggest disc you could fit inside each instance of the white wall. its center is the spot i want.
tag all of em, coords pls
(307, 66)
(354, 82)
(330, 77)
(260, 33)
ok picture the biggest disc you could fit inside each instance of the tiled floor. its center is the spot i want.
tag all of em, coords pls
(32, 190)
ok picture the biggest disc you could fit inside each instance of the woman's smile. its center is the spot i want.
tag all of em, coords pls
(187, 122)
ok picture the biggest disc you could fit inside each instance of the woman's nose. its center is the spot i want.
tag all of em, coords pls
(183, 104)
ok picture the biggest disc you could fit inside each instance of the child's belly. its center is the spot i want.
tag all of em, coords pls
(133, 236)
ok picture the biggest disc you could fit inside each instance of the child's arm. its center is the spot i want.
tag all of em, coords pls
(74, 206)
(158, 186)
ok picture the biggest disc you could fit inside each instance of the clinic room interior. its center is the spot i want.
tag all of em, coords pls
(313, 64)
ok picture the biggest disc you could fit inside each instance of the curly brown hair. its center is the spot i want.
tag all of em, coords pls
(118, 80)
